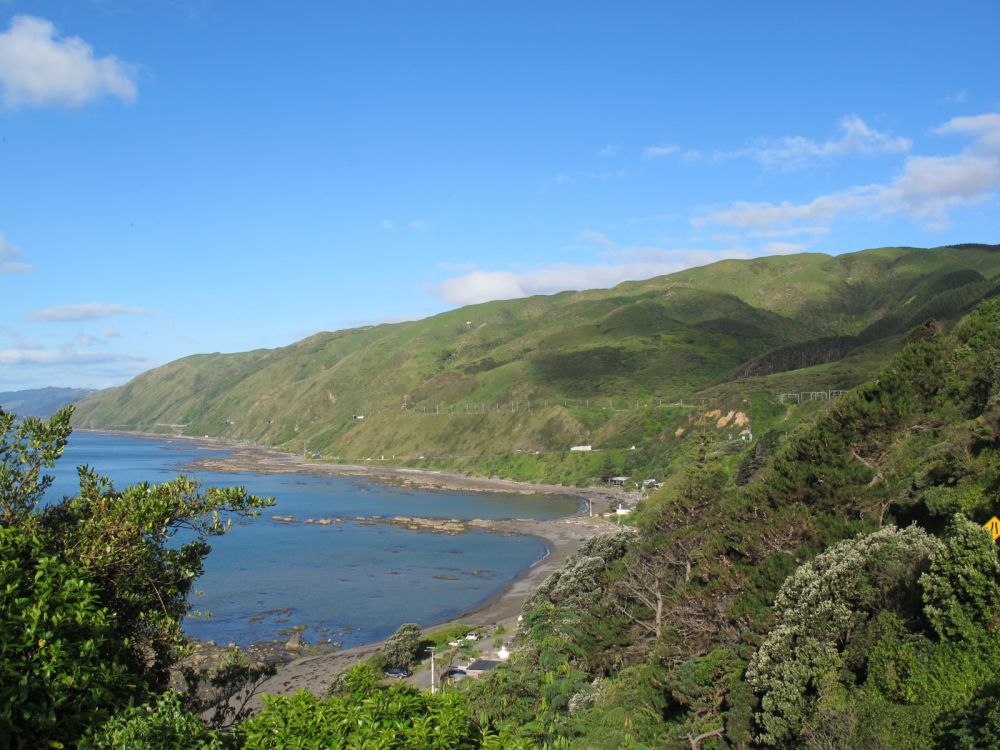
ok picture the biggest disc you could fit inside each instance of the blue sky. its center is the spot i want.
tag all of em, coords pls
(185, 176)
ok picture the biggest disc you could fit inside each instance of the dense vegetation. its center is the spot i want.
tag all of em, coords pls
(717, 624)
(507, 387)
(92, 587)
(830, 586)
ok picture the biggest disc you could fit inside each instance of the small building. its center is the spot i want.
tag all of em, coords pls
(621, 510)
(582, 448)
(618, 481)
(480, 667)
(452, 675)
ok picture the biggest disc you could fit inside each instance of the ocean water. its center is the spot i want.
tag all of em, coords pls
(353, 583)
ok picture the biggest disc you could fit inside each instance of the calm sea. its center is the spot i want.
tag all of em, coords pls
(350, 582)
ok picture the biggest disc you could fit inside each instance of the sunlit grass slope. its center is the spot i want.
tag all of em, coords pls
(486, 382)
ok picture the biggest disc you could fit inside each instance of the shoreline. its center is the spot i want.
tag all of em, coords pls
(252, 458)
(561, 537)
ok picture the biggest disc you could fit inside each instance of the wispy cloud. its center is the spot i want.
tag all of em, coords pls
(959, 97)
(855, 137)
(47, 357)
(783, 248)
(575, 178)
(10, 258)
(658, 152)
(85, 311)
(762, 215)
(927, 189)
(620, 264)
(596, 238)
(38, 68)
(610, 151)
(813, 231)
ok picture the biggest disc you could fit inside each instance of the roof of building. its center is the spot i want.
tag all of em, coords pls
(482, 665)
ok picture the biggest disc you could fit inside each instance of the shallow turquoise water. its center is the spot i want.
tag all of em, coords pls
(351, 582)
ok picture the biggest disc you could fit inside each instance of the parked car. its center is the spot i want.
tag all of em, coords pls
(398, 673)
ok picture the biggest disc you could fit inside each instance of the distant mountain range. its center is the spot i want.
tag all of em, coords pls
(473, 387)
(41, 402)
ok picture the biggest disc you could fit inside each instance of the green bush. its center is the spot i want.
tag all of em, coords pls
(163, 724)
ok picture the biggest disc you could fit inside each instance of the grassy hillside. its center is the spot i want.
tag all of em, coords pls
(827, 586)
(842, 593)
(485, 387)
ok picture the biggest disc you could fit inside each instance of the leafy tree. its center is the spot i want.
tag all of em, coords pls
(94, 586)
(978, 725)
(608, 468)
(61, 663)
(401, 648)
(962, 587)
(26, 447)
(162, 724)
(817, 608)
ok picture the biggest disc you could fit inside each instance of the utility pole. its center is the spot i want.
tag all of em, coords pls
(433, 683)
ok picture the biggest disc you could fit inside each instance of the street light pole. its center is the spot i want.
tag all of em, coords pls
(433, 684)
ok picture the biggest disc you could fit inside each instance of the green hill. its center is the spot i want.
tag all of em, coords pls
(841, 593)
(507, 387)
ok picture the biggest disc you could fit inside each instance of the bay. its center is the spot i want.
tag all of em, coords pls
(351, 582)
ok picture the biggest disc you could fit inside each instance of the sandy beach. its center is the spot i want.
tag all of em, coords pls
(562, 538)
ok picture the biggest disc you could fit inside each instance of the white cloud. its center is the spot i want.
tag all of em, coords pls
(783, 248)
(85, 311)
(658, 152)
(46, 358)
(610, 151)
(110, 332)
(815, 231)
(38, 68)
(796, 151)
(623, 264)
(598, 238)
(85, 339)
(857, 137)
(10, 258)
(926, 190)
(388, 225)
(959, 97)
(985, 128)
(763, 216)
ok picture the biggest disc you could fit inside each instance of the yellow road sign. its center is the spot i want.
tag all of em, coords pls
(993, 526)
